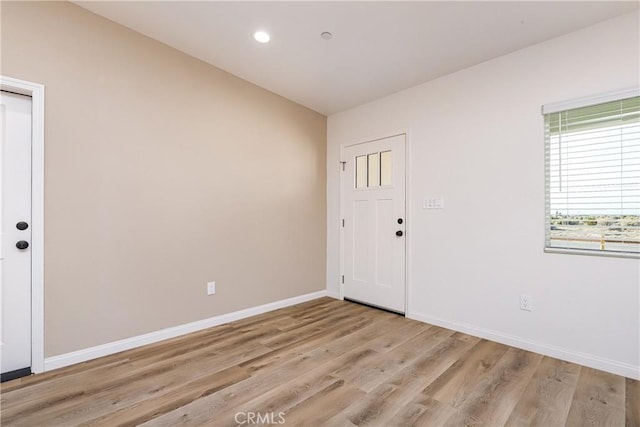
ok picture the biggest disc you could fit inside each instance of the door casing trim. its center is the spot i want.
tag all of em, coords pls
(407, 206)
(36, 92)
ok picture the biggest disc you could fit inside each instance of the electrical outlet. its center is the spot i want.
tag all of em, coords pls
(211, 288)
(525, 303)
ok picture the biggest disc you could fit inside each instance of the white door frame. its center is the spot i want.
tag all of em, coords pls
(36, 92)
(407, 206)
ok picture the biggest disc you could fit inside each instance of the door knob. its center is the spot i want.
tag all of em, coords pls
(399, 233)
(22, 244)
(22, 225)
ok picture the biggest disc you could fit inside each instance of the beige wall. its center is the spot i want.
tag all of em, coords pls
(162, 173)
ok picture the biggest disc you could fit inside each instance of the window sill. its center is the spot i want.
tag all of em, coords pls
(591, 253)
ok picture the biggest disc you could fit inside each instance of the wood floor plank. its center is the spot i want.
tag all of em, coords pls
(459, 381)
(381, 405)
(305, 329)
(407, 329)
(323, 362)
(281, 398)
(152, 407)
(163, 349)
(362, 338)
(379, 370)
(548, 396)
(632, 403)
(361, 322)
(318, 409)
(282, 354)
(77, 387)
(498, 393)
(237, 396)
(424, 411)
(334, 353)
(323, 311)
(94, 401)
(598, 400)
(371, 410)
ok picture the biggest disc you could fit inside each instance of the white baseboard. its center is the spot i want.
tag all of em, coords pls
(608, 365)
(74, 357)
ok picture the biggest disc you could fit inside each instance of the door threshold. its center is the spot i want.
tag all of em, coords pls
(388, 310)
(12, 375)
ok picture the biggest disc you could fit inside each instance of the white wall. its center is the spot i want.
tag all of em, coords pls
(476, 138)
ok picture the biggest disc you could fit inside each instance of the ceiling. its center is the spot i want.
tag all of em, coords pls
(377, 48)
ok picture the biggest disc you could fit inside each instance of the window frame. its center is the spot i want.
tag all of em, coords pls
(556, 107)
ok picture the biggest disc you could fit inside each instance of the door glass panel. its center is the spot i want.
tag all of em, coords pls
(386, 165)
(361, 171)
(374, 170)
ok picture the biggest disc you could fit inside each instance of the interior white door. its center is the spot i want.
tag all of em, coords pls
(15, 231)
(373, 197)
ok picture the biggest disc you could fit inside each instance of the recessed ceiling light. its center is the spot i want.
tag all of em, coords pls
(261, 36)
(326, 35)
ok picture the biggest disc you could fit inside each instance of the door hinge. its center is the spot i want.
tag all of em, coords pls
(342, 222)
(344, 164)
(343, 278)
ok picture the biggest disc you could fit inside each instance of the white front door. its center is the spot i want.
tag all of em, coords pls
(15, 231)
(373, 200)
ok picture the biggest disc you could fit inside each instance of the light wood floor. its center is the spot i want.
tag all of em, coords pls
(325, 362)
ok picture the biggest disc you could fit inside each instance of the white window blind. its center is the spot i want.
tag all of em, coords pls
(592, 160)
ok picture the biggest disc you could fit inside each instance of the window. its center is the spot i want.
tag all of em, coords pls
(386, 162)
(592, 157)
(374, 170)
(361, 172)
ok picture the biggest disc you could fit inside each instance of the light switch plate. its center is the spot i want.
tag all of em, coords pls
(433, 203)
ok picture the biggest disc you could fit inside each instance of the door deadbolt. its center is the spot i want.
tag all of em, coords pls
(22, 225)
